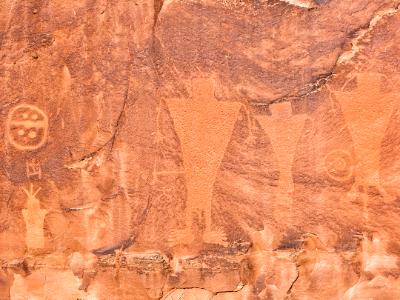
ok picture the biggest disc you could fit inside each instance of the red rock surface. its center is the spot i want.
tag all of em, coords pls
(197, 149)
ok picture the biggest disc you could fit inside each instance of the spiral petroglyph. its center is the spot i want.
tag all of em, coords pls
(339, 165)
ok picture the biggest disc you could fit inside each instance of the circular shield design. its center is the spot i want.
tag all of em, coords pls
(27, 127)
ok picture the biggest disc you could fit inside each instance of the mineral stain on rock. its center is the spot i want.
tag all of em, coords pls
(198, 149)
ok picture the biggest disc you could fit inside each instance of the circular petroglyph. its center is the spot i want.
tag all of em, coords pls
(27, 127)
(339, 165)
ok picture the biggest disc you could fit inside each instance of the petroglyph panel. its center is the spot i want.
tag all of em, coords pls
(192, 150)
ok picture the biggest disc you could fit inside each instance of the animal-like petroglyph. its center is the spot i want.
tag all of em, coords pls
(284, 129)
(339, 165)
(204, 127)
(27, 127)
(34, 219)
(33, 169)
(366, 111)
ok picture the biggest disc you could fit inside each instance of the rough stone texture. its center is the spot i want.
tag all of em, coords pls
(198, 149)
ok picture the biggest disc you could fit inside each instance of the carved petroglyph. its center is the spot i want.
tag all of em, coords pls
(34, 219)
(204, 127)
(339, 165)
(284, 129)
(27, 127)
(366, 111)
(33, 169)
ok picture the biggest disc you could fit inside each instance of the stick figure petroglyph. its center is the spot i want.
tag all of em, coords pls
(27, 127)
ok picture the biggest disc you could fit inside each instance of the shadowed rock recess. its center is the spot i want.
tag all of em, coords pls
(199, 149)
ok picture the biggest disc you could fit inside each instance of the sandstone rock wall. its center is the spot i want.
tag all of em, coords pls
(198, 149)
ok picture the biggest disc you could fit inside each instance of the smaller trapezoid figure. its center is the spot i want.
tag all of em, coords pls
(284, 129)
